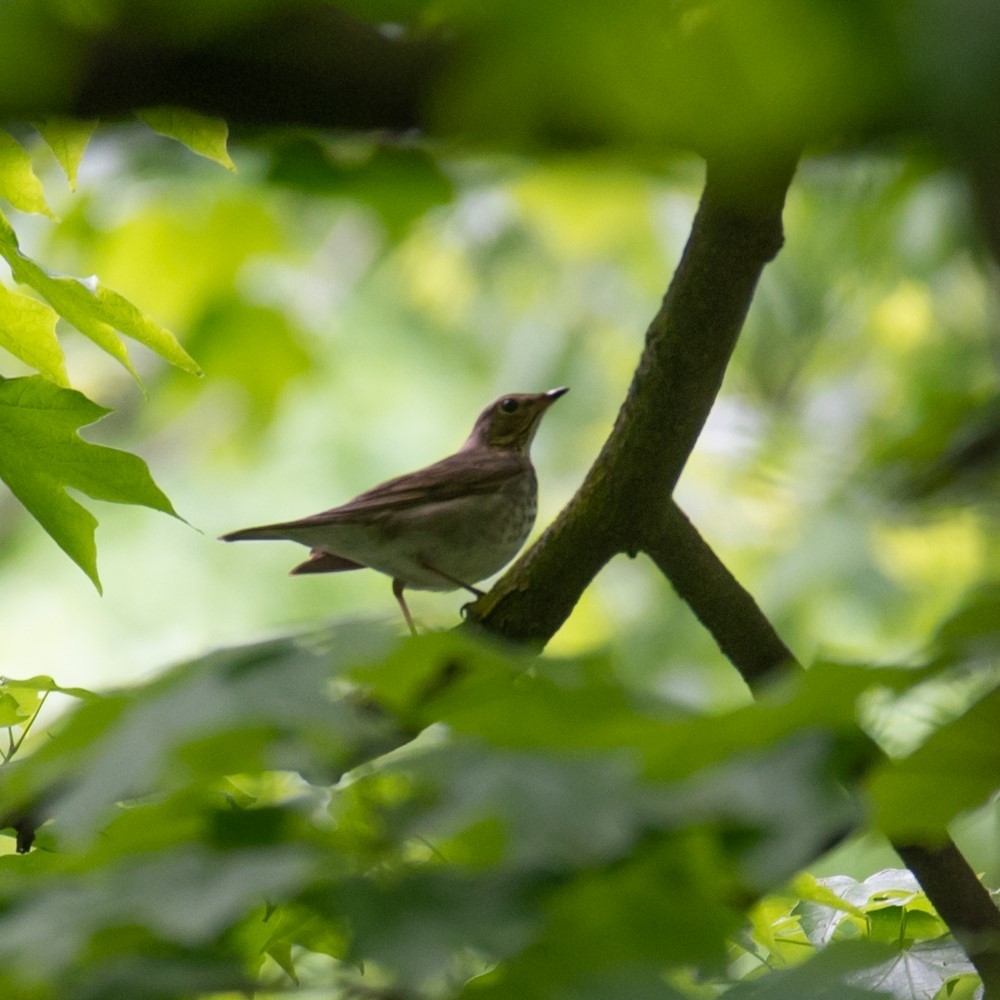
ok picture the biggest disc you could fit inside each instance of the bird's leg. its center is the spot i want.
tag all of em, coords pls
(397, 589)
(444, 576)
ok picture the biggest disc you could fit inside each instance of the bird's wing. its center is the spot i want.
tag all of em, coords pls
(456, 476)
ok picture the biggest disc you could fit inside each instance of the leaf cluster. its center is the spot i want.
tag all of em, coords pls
(40, 415)
(438, 817)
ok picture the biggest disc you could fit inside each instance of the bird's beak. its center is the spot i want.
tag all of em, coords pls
(553, 394)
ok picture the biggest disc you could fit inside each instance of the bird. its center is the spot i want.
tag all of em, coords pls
(444, 527)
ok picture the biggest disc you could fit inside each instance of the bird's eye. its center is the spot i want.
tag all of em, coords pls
(508, 405)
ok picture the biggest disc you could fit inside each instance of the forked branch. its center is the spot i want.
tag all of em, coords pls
(736, 231)
(625, 503)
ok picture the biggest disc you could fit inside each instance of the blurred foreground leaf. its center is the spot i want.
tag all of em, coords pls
(295, 810)
(957, 769)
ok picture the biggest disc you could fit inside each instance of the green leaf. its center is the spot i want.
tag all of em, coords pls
(118, 312)
(18, 183)
(67, 138)
(11, 713)
(41, 454)
(956, 769)
(28, 331)
(41, 683)
(917, 972)
(281, 953)
(832, 975)
(93, 309)
(155, 892)
(813, 890)
(223, 714)
(202, 134)
(401, 183)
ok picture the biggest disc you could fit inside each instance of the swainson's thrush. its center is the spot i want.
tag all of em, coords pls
(443, 527)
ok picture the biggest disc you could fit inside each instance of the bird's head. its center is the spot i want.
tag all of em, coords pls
(510, 422)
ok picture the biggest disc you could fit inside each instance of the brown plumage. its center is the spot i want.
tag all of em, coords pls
(443, 527)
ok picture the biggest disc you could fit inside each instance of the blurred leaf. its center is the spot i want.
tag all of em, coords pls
(202, 134)
(184, 896)
(41, 454)
(535, 800)
(401, 183)
(581, 704)
(835, 973)
(93, 309)
(28, 331)
(44, 683)
(67, 138)
(11, 713)
(18, 183)
(270, 353)
(230, 712)
(414, 925)
(710, 76)
(664, 904)
(971, 635)
(956, 769)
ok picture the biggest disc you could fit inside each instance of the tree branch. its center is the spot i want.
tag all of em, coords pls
(744, 634)
(625, 505)
(963, 903)
(736, 231)
(752, 645)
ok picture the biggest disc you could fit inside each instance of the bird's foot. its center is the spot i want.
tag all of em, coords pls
(467, 613)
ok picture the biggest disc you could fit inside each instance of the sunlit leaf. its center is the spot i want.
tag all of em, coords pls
(93, 309)
(11, 712)
(44, 683)
(41, 454)
(28, 331)
(833, 974)
(67, 138)
(18, 183)
(202, 134)
(916, 972)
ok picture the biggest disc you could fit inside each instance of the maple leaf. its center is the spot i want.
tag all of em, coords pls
(41, 454)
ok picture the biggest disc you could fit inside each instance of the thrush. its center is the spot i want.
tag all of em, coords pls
(443, 527)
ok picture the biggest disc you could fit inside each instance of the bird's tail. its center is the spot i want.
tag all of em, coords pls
(266, 532)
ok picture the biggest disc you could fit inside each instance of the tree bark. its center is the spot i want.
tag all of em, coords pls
(736, 231)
